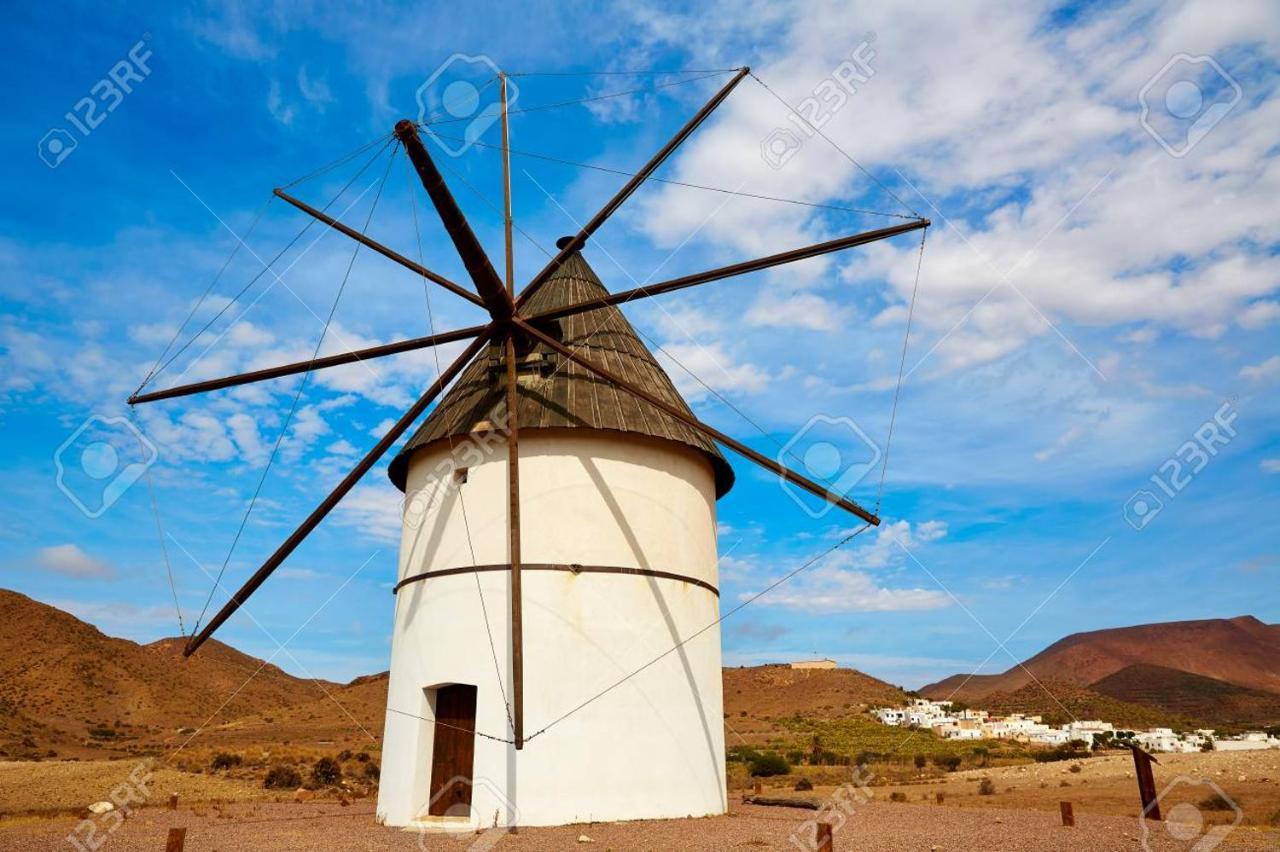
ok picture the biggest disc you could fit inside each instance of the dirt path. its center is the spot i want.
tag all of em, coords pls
(872, 826)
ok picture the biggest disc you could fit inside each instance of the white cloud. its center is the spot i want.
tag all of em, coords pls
(799, 310)
(315, 91)
(1263, 372)
(841, 582)
(711, 363)
(1270, 465)
(69, 560)
(832, 590)
(1034, 157)
(375, 510)
(283, 112)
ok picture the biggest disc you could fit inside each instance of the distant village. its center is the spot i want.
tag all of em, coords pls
(953, 721)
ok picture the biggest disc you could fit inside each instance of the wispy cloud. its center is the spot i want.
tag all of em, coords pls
(70, 561)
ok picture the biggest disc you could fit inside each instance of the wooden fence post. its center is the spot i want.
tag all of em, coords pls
(177, 839)
(173, 801)
(940, 797)
(1068, 815)
(1146, 783)
(826, 842)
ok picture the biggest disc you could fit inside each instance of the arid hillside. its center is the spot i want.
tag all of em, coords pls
(65, 685)
(1242, 652)
(67, 688)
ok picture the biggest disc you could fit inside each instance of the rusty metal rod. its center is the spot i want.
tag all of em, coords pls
(694, 423)
(742, 268)
(318, 514)
(380, 248)
(307, 366)
(631, 186)
(493, 293)
(513, 510)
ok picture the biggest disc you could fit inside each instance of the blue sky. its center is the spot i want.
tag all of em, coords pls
(1098, 284)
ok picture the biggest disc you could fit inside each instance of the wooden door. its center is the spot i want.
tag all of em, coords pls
(453, 750)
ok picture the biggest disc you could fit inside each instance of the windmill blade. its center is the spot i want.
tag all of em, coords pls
(351, 357)
(694, 423)
(513, 515)
(318, 514)
(732, 270)
(493, 294)
(380, 248)
(631, 186)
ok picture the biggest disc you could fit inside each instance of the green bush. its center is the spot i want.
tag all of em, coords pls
(282, 777)
(326, 771)
(1215, 803)
(920, 761)
(949, 762)
(1062, 752)
(741, 754)
(766, 765)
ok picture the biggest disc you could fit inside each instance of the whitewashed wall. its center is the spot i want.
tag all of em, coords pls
(653, 747)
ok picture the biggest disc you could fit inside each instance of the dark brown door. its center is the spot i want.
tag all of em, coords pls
(453, 751)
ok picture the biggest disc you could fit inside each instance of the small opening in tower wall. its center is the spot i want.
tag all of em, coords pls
(459, 476)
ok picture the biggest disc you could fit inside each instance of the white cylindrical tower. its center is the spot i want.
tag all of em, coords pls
(618, 530)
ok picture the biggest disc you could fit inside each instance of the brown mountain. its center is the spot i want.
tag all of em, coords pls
(1190, 695)
(67, 687)
(63, 682)
(1060, 702)
(779, 690)
(1242, 651)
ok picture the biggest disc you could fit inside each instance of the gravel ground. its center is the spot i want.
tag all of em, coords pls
(871, 826)
(58, 785)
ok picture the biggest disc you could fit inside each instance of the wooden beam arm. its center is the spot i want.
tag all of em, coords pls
(380, 248)
(710, 431)
(349, 481)
(631, 186)
(732, 270)
(493, 294)
(315, 364)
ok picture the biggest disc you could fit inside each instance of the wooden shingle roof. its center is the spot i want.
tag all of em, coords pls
(554, 392)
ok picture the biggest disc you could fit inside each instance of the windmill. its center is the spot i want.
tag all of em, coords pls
(561, 472)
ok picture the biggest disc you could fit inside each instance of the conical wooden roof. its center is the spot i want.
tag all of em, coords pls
(554, 392)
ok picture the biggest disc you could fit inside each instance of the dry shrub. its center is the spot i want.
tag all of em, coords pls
(282, 777)
(987, 787)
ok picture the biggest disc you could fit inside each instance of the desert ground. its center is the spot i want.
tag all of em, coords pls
(41, 807)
